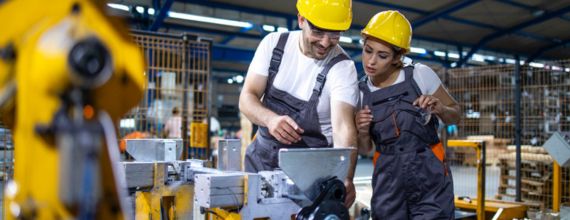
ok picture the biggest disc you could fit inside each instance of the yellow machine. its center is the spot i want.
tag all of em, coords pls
(485, 208)
(67, 74)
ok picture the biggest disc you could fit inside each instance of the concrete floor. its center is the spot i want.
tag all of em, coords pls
(464, 178)
(464, 184)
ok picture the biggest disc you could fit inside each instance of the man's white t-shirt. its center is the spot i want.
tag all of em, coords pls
(298, 74)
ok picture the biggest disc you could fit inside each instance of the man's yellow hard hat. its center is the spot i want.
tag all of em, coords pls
(392, 27)
(333, 15)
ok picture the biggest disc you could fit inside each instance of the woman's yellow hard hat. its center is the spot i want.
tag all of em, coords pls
(391, 27)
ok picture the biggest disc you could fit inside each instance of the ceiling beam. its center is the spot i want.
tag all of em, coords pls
(235, 7)
(489, 38)
(442, 12)
(454, 19)
(161, 14)
(292, 18)
(533, 9)
(541, 51)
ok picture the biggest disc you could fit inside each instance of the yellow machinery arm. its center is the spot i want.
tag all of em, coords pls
(67, 74)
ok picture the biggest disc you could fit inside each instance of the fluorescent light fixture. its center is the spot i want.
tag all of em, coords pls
(268, 28)
(510, 61)
(344, 39)
(478, 57)
(490, 58)
(537, 65)
(238, 78)
(282, 29)
(439, 53)
(453, 55)
(454, 64)
(139, 9)
(418, 50)
(205, 19)
(361, 42)
(151, 11)
(522, 62)
(118, 6)
(556, 68)
(230, 81)
(567, 70)
(127, 123)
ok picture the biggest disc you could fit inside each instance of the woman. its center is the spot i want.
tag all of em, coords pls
(411, 179)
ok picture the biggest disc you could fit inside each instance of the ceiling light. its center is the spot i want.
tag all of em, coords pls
(418, 50)
(282, 29)
(453, 55)
(344, 39)
(212, 20)
(268, 28)
(118, 6)
(537, 65)
(439, 53)
(478, 57)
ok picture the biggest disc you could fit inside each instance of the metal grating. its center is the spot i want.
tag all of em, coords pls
(178, 76)
(488, 101)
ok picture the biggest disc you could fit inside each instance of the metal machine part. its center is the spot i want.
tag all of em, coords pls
(149, 150)
(329, 203)
(310, 166)
(229, 154)
(267, 194)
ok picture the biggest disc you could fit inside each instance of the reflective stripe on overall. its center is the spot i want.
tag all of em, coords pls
(261, 154)
(411, 179)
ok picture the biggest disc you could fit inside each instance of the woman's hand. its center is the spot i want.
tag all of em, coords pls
(363, 119)
(430, 102)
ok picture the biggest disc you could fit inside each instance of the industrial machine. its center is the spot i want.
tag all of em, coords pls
(309, 185)
(68, 73)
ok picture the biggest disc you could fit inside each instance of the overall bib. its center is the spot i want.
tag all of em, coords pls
(411, 179)
(262, 153)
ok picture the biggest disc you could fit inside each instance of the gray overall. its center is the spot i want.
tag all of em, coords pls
(409, 180)
(262, 153)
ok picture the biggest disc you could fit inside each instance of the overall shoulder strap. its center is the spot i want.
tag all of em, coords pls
(409, 72)
(276, 58)
(322, 77)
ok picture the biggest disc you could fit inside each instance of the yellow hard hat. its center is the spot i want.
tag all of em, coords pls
(327, 14)
(392, 27)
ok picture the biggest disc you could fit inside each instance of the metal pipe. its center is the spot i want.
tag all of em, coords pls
(556, 188)
(518, 127)
(481, 180)
(185, 67)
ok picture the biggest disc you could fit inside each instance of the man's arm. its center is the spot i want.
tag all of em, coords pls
(250, 100)
(282, 127)
(344, 135)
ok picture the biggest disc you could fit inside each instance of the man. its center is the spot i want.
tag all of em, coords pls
(308, 87)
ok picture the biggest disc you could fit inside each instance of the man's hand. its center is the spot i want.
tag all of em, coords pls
(350, 193)
(284, 129)
(363, 119)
